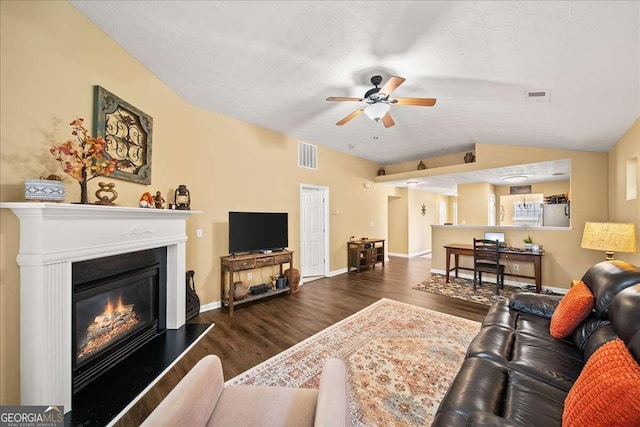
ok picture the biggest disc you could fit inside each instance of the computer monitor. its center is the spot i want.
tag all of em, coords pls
(492, 235)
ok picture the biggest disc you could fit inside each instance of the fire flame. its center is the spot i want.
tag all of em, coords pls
(109, 310)
(119, 307)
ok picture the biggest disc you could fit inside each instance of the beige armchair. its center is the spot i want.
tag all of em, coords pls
(201, 399)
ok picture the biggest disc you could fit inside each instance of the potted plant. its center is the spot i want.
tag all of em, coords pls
(83, 157)
(528, 243)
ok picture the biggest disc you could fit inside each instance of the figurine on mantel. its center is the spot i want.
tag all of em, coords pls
(106, 194)
(158, 200)
(146, 201)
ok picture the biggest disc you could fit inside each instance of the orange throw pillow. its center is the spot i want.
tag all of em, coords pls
(606, 391)
(574, 307)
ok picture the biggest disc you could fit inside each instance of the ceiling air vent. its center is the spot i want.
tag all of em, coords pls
(537, 95)
(307, 155)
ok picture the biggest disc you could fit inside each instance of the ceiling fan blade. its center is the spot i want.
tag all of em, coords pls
(387, 121)
(351, 116)
(343, 98)
(391, 85)
(425, 102)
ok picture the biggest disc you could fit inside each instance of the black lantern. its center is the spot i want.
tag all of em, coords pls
(183, 198)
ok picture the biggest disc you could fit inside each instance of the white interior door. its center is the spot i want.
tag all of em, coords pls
(442, 212)
(455, 213)
(312, 232)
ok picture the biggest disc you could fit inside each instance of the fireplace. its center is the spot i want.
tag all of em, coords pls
(55, 238)
(119, 304)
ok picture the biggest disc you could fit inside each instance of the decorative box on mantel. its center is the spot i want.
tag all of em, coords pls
(52, 237)
(44, 190)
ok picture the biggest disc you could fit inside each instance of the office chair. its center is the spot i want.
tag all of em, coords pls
(486, 258)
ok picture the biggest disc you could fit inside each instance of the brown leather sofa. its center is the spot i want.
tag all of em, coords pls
(516, 374)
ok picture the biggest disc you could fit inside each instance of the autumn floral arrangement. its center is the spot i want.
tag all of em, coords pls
(83, 157)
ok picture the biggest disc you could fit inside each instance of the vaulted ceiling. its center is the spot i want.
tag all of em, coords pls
(274, 63)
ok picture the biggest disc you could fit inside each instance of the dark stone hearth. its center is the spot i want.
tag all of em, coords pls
(102, 400)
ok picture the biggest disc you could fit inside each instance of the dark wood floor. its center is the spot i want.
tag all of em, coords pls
(260, 330)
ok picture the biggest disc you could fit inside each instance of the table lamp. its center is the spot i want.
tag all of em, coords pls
(610, 237)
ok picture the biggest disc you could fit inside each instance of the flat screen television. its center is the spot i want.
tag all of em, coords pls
(258, 231)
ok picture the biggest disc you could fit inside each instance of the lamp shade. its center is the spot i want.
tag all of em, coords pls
(609, 237)
(377, 111)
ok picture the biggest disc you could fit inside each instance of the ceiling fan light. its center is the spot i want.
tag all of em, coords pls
(377, 111)
(515, 178)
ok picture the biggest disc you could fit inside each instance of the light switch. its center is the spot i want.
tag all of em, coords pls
(199, 232)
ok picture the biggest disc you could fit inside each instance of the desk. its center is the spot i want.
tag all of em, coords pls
(535, 257)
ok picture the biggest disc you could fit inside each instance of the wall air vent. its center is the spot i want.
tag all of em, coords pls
(537, 95)
(307, 155)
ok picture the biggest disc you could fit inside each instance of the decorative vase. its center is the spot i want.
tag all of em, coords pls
(296, 280)
(469, 157)
(239, 291)
(421, 166)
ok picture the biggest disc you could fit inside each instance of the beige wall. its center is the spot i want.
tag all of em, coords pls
(620, 209)
(409, 231)
(398, 228)
(51, 58)
(473, 203)
(420, 225)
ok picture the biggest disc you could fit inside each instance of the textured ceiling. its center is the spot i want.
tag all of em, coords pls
(273, 63)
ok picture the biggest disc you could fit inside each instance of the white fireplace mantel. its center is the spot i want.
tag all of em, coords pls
(52, 237)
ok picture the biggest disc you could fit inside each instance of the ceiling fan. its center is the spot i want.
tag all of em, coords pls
(378, 102)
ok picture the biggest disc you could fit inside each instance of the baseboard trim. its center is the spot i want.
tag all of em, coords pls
(411, 255)
(210, 306)
(337, 272)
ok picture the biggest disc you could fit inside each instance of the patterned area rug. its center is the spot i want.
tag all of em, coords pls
(463, 289)
(400, 361)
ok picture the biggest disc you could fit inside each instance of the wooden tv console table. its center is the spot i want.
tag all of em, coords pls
(232, 263)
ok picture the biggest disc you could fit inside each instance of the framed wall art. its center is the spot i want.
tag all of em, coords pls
(520, 189)
(128, 133)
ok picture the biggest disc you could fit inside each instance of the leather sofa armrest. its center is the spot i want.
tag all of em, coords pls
(332, 409)
(538, 304)
(193, 400)
(487, 419)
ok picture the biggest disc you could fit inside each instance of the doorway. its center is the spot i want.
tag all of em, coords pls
(314, 230)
